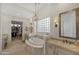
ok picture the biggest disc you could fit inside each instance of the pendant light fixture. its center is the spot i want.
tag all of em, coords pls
(35, 15)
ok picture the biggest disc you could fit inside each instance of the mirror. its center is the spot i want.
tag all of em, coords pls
(68, 24)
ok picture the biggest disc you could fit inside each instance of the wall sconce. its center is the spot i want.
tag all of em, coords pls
(55, 23)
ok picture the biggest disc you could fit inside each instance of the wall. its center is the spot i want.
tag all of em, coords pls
(11, 12)
(0, 30)
(53, 10)
(6, 24)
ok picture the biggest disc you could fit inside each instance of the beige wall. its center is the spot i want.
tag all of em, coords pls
(0, 30)
(6, 27)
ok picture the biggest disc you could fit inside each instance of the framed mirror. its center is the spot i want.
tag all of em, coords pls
(67, 24)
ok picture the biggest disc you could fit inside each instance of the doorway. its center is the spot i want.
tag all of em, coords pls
(16, 30)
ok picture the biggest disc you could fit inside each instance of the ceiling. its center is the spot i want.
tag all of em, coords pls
(27, 10)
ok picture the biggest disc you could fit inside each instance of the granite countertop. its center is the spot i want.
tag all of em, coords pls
(60, 43)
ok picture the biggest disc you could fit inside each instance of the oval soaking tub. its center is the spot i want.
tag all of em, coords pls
(35, 42)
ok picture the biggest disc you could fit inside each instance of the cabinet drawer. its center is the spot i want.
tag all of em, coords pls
(61, 51)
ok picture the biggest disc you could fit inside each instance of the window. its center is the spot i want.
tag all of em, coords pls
(43, 25)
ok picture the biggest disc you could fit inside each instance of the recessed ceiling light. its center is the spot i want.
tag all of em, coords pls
(15, 25)
(19, 25)
(11, 24)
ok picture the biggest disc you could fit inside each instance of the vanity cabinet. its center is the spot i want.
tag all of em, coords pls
(56, 50)
(50, 49)
(37, 51)
(62, 51)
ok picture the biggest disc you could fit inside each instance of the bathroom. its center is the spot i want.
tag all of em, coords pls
(43, 26)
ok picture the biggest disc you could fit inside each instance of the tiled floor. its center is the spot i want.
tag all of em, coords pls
(17, 47)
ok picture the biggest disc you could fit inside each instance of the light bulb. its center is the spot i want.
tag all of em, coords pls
(11, 24)
(15, 25)
(19, 25)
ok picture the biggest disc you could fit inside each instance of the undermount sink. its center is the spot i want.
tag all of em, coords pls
(35, 42)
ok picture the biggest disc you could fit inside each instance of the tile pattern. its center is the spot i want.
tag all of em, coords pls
(17, 47)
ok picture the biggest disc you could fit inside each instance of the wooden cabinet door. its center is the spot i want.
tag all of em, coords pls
(61, 51)
(50, 49)
(37, 51)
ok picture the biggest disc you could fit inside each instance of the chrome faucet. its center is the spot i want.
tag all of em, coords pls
(66, 41)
